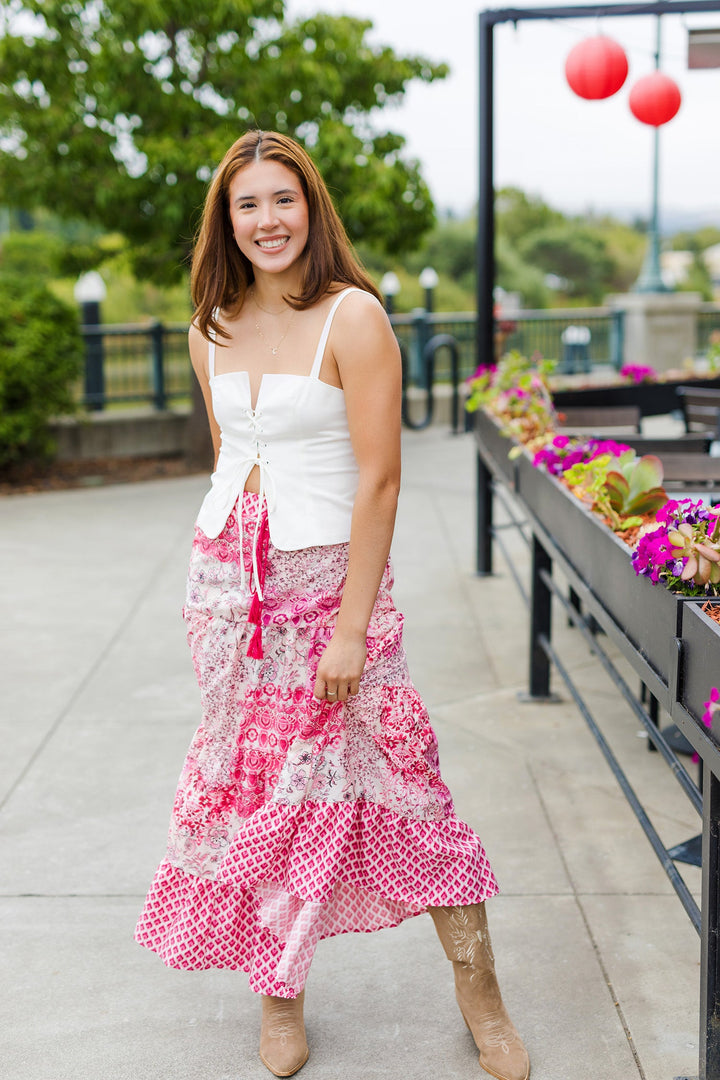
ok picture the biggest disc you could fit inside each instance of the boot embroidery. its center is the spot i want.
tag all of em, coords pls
(496, 1033)
(471, 946)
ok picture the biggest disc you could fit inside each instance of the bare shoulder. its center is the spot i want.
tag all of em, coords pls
(362, 322)
(358, 306)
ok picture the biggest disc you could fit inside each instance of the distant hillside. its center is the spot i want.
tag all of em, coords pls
(672, 218)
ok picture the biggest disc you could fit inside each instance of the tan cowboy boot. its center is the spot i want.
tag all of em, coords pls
(464, 936)
(283, 1046)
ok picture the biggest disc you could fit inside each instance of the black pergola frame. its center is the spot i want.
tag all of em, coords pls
(486, 190)
(709, 1056)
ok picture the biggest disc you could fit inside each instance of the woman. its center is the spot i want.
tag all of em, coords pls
(310, 802)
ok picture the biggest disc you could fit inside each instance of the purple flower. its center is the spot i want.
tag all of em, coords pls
(711, 707)
(563, 452)
(605, 446)
(652, 554)
(638, 373)
(482, 369)
(676, 511)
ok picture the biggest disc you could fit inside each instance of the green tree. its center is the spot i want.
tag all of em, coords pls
(118, 113)
(31, 255)
(451, 249)
(40, 360)
(704, 237)
(518, 214)
(698, 279)
(574, 252)
(626, 248)
(515, 275)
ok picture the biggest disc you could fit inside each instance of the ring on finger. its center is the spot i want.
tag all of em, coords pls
(331, 693)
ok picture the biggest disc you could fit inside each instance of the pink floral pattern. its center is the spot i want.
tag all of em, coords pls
(296, 819)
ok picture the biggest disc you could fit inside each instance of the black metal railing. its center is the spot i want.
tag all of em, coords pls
(148, 363)
(145, 363)
(670, 644)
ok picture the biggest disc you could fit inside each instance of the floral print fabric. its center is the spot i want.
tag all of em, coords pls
(296, 819)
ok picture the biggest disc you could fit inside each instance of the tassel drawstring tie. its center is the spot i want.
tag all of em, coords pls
(260, 544)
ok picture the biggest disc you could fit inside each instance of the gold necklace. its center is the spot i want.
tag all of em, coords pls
(273, 348)
(257, 304)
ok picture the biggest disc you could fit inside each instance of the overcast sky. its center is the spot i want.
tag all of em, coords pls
(576, 154)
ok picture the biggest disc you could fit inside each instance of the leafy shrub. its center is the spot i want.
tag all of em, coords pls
(41, 355)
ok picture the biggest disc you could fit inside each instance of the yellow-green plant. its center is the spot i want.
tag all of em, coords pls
(621, 489)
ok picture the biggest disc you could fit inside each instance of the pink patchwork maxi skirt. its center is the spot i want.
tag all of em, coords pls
(295, 819)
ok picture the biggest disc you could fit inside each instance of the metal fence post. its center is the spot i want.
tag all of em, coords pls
(617, 339)
(421, 332)
(709, 951)
(484, 504)
(540, 622)
(157, 339)
(94, 356)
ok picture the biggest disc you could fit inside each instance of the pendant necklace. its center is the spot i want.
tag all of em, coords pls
(273, 348)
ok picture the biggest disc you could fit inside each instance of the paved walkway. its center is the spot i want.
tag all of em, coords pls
(598, 962)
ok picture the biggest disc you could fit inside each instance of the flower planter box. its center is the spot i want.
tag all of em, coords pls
(701, 657)
(494, 446)
(647, 614)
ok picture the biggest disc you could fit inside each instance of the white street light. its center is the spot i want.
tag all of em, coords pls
(428, 278)
(90, 288)
(390, 284)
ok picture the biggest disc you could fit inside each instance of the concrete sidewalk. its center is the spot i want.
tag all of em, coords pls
(599, 963)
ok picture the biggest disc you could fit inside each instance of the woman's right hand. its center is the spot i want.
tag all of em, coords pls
(341, 667)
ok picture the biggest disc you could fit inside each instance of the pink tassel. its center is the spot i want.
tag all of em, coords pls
(255, 610)
(255, 649)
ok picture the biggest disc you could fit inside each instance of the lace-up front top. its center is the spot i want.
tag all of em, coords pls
(297, 435)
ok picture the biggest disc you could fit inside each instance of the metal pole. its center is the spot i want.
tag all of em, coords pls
(158, 365)
(650, 279)
(485, 256)
(709, 953)
(94, 356)
(421, 336)
(484, 519)
(540, 624)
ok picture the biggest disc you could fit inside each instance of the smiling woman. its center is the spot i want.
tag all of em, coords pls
(269, 213)
(311, 802)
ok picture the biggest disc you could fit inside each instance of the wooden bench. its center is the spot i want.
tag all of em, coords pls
(597, 418)
(662, 445)
(691, 471)
(701, 409)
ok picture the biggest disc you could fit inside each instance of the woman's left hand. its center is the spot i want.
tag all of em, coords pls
(340, 668)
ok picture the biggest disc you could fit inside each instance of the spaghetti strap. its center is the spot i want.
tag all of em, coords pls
(317, 362)
(211, 350)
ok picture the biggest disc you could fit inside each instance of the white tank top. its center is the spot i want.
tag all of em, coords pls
(298, 436)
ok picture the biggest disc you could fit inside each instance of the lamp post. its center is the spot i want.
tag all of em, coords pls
(650, 278)
(390, 287)
(89, 292)
(428, 281)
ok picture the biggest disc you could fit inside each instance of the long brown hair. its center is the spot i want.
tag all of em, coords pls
(221, 274)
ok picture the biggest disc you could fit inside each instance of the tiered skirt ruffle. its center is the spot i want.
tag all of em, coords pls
(294, 819)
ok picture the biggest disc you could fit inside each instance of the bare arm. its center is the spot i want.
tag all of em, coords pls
(199, 359)
(368, 360)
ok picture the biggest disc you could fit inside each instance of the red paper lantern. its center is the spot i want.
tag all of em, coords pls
(655, 99)
(596, 68)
